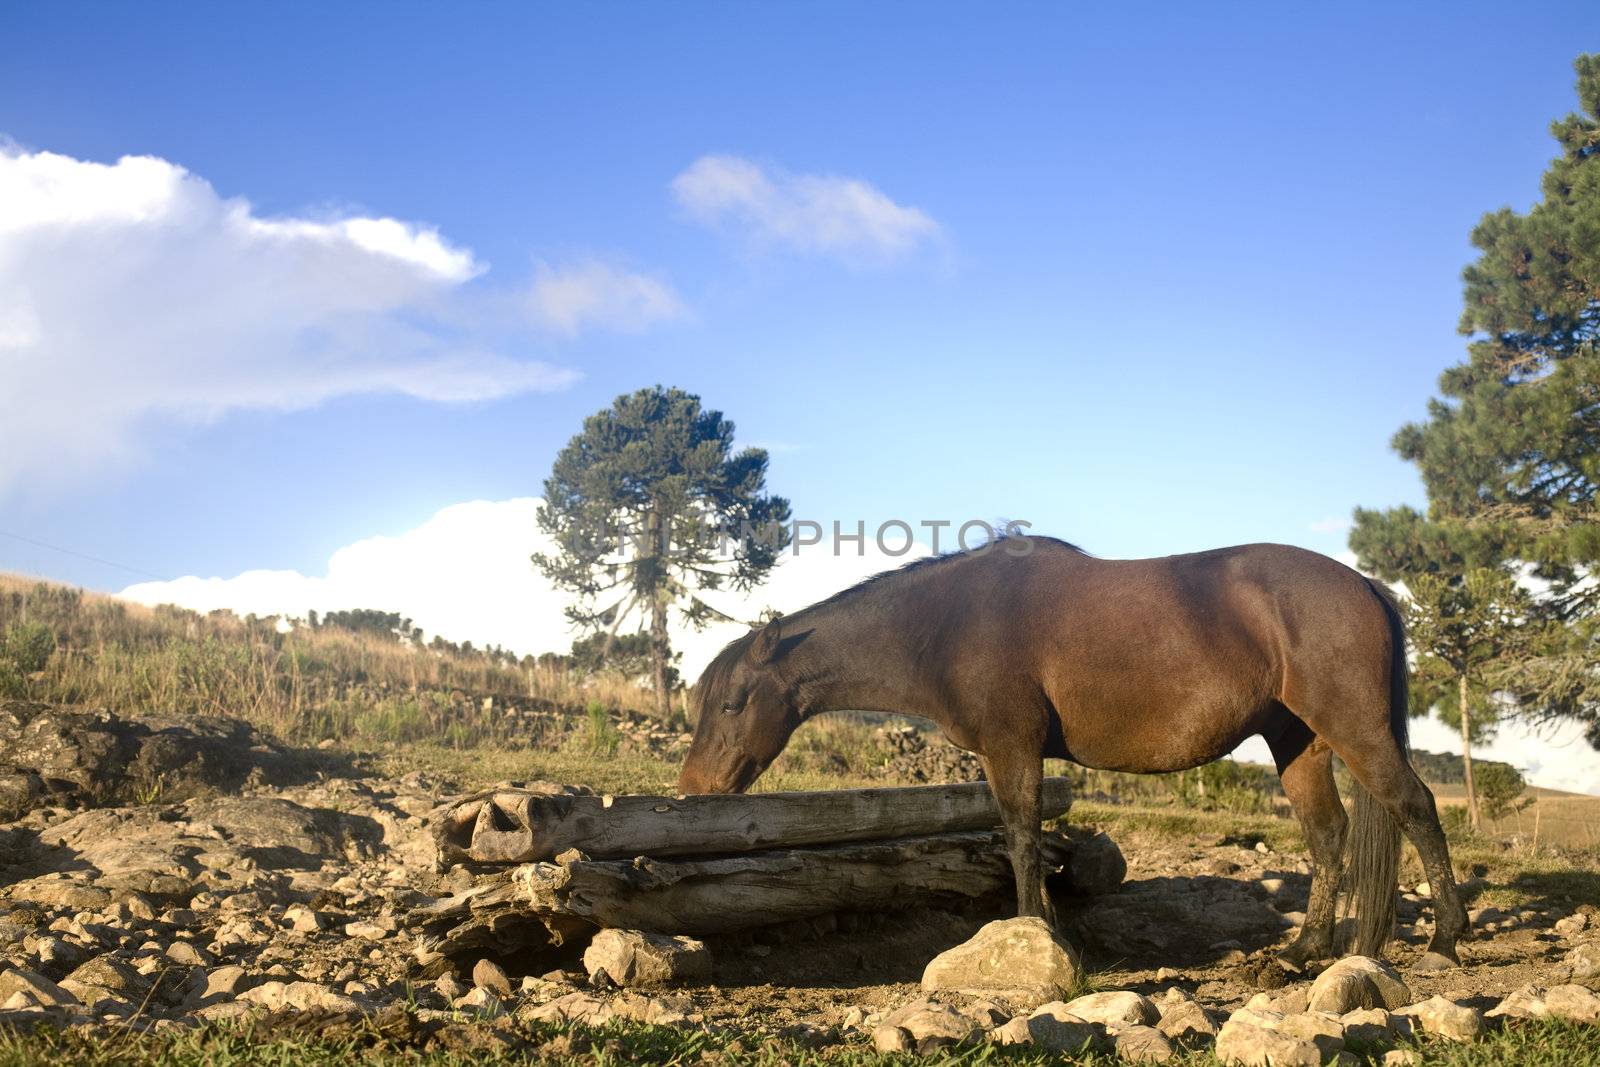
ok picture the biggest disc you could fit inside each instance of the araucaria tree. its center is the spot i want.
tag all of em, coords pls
(1510, 452)
(649, 507)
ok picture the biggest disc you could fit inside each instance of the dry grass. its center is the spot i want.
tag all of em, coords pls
(305, 685)
(1553, 818)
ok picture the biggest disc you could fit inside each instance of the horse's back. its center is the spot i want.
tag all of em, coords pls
(1165, 663)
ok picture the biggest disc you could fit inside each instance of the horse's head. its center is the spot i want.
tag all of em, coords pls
(747, 712)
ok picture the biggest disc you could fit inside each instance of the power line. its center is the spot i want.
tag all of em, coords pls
(83, 555)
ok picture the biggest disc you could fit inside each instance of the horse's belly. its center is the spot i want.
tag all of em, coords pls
(1154, 740)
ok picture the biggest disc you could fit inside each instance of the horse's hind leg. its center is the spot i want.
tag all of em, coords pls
(1381, 767)
(1305, 766)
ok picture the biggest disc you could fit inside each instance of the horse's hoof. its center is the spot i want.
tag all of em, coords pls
(1434, 961)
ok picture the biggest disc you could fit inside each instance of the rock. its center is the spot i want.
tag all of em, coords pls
(1113, 1009)
(301, 996)
(1321, 1028)
(1051, 1027)
(892, 1039)
(450, 987)
(40, 989)
(183, 952)
(1446, 1019)
(1585, 960)
(226, 981)
(111, 975)
(1572, 924)
(489, 975)
(656, 1010)
(362, 930)
(1143, 1044)
(928, 1025)
(1021, 956)
(483, 1001)
(1096, 866)
(302, 920)
(635, 958)
(1401, 1057)
(1371, 1026)
(1188, 1023)
(1358, 982)
(572, 1008)
(1242, 1042)
(1573, 1003)
(1524, 1003)
(97, 756)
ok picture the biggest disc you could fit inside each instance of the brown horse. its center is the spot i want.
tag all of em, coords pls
(1030, 648)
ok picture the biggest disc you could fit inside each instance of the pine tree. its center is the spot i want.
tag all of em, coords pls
(1510, 451)
(1468, 633)
(650, 507)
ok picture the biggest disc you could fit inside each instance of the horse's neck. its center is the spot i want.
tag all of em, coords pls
(861, 658)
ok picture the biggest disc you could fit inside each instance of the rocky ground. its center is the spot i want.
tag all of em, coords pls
(160, 875)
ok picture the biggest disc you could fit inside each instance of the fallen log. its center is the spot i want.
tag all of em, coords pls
(534, 824)
(539, 905)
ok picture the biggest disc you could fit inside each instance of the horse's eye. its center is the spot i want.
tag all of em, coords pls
(730, 708)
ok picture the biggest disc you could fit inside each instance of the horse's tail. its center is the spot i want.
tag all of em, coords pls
(1372, 873)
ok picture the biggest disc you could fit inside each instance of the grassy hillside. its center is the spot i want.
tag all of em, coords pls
(309, 684)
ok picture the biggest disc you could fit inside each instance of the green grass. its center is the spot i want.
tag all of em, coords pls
(1543, 1044)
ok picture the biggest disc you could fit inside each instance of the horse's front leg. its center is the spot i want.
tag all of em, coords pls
(1016, 781)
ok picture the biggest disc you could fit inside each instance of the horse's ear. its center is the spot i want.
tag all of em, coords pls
(766, 642)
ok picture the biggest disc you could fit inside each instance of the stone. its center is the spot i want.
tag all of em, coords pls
(636, 958)
(1358, 982)
(1401, 1057)
(184, 952)
(301, 996)
(1096, 866)
(1446, 1018)
(1573, 1003)
(483, 1001)
(892, 1039)
(364, 930)
(929, 1025)
(1524, 1003)
(655, 1010)
(450, 987)
(1143, 1044)
(1021, 956)
(1187, 1022)
(1242, 1042)
(302, 920)
(489, 975)
(1051, 1027)
(1572, 924)
(1585, 960)
(1322, 1029)
(113, 976)
(40, 989)
(1371, 1026)
(1115, 1009)
(227, 981)
(572, 1008)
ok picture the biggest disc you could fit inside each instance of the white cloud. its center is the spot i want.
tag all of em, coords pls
(131, 292)
(465, 574)
(567, 298)
(817, 213)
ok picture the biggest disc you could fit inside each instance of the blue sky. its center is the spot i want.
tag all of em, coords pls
(1191, 269)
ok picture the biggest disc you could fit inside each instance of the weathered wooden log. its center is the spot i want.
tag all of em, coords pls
(540, 904)
(529, 825)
